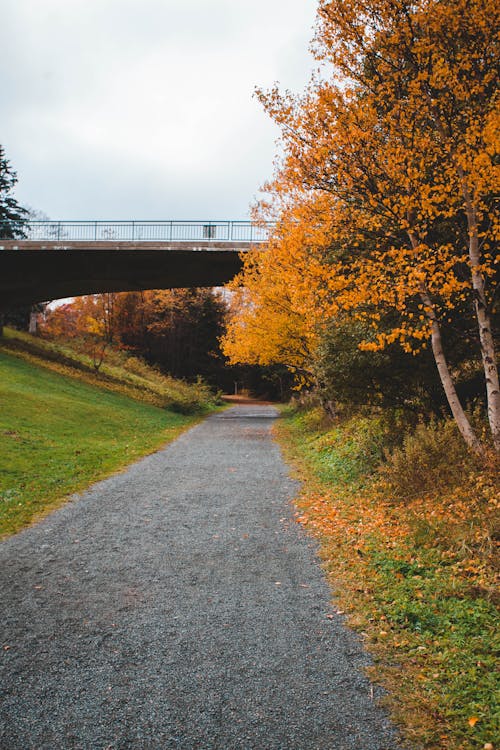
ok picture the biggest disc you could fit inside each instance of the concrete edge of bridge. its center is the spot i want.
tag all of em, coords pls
(139, 245)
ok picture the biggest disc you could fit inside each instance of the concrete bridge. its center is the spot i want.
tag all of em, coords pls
(55, 259)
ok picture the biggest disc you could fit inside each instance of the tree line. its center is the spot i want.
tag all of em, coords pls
(176, 330)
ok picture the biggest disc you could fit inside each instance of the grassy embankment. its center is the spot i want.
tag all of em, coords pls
(63, 426)
(409, 547)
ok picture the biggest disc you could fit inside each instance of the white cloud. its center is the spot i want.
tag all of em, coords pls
(145, 107)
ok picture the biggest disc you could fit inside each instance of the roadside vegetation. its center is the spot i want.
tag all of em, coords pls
(64, 426)
(410, 546)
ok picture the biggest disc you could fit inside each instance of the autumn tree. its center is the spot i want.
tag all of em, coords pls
(88, 320)
(275, 312)
(400, 155)
(431, 69)
(177, 329)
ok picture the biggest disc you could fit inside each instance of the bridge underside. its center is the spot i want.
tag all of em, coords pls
(33, 271)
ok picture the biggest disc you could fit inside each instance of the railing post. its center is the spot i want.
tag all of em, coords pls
(58, 230)
(133, 230)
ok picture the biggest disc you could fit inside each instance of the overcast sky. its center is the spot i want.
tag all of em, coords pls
(145, 108)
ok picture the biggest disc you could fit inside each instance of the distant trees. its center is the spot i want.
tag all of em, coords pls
(387, 220)
(88, 320)
(178, 330)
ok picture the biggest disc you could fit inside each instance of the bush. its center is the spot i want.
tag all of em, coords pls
(345, 450)
(390, 378)
(431, 458)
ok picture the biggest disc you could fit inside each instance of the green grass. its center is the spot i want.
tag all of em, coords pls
(447, 631)
(415, 573)
(119, 372)
(58, 435)
(340, 454)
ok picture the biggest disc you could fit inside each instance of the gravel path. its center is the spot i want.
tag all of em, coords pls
(177, 605)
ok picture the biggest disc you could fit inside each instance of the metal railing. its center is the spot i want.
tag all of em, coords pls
(137, 231)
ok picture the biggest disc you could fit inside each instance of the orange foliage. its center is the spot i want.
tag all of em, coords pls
(89, 319)
(385, 189)
(278, 299)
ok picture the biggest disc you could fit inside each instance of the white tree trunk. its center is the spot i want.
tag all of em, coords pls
(490, 370)
(483, 320)
(459, 415)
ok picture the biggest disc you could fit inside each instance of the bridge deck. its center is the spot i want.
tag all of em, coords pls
(56, 259)
(38, 270)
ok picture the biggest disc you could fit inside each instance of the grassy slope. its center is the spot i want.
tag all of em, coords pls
(119, 372)
(415, 578)
(59, 434)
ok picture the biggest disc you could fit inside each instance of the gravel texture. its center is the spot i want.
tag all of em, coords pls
(178, 605)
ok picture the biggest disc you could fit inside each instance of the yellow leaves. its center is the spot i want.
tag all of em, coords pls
(472, 721)
(368, 196)
(94, 327)
(280, 298)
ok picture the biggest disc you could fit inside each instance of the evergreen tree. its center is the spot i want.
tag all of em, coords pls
(12, 220)
(12, 215)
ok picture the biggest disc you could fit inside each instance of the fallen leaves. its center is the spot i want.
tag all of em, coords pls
(412, 604)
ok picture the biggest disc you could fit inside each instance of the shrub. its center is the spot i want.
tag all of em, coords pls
(431, 458)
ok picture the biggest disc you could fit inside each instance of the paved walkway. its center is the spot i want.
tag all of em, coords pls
(177, 605)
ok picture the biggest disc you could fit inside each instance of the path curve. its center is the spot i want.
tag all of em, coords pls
(178, 606)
